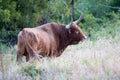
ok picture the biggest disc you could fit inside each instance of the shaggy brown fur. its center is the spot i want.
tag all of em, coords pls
(50, 39)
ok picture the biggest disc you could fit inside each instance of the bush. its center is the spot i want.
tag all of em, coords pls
(100, 27)
(8, 36)
(31, 70)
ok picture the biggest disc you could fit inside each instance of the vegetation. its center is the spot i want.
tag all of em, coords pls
(95, 59)
(17, 14)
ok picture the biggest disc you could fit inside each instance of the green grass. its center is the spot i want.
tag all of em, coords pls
(85, 61)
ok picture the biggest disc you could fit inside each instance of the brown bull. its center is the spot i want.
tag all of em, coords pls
(49, 40)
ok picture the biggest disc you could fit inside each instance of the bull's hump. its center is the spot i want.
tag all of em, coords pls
(54, 23)
(47, 24)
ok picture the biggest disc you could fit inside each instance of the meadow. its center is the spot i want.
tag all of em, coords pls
(97, 58)
(89, 60)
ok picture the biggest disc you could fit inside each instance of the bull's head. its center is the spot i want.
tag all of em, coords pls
(75, 33)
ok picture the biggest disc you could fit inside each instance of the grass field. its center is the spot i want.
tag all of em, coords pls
(89, 60)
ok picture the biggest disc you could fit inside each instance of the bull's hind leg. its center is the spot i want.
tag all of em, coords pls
(21, 47)
(19, 56)
(27, 57)
(30, 54)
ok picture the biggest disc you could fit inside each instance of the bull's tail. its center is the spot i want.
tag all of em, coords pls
(29, 48)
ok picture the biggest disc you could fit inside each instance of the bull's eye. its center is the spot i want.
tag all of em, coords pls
(77, 32)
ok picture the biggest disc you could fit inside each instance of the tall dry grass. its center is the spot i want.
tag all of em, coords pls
(89, 60)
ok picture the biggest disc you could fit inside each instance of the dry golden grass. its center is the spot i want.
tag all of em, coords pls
(89, 60)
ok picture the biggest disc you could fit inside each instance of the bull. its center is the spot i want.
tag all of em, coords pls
(48, 40)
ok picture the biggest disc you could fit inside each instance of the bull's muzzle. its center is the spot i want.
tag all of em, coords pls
(84, 38)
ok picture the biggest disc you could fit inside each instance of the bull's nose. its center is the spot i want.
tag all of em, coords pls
(84, 38)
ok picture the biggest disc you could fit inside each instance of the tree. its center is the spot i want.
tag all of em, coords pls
(72, 10)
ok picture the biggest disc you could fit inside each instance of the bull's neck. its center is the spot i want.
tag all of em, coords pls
(64, 39)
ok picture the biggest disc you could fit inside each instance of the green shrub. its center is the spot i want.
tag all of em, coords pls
(31, 70)
(96, 28)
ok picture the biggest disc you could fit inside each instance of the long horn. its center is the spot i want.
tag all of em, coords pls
(80, 18)
(68, 26)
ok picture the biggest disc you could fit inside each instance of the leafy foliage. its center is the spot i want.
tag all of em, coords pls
(17, 14)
